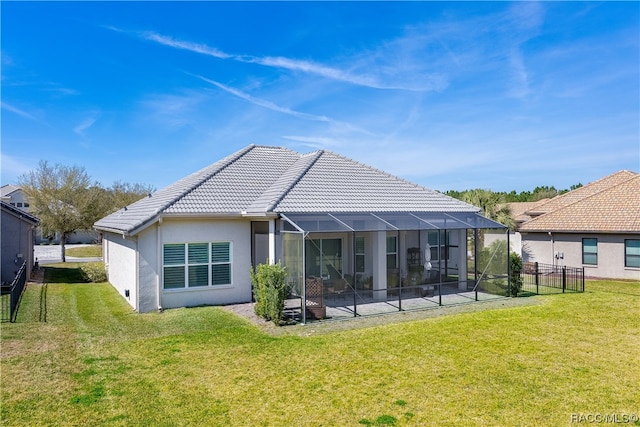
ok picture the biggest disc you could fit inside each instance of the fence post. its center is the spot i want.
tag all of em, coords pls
(564, 278)
(582, 279)
(537, 279)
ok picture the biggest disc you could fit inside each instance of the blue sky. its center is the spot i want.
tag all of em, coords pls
(503, 96)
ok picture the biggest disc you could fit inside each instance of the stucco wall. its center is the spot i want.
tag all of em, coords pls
(539, 247)
(148, 271)
(238, 232)
(120, 260)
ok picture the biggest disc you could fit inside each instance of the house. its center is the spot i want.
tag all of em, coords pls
(15, 196)
(18, 231)
(596, 226)
(334, 223)
(519, 214)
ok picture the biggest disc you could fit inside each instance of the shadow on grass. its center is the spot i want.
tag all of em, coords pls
(63, 273)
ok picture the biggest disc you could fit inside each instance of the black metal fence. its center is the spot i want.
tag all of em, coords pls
(11, 294)
(538, 278)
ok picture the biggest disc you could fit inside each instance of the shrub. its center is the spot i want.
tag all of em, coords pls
(94, 272)
(269, 291)
(515, 279)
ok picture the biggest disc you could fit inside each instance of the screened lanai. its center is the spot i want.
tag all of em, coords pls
(343, 265)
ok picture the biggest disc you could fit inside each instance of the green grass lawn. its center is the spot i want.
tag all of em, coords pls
(92, 251)
(78, 355)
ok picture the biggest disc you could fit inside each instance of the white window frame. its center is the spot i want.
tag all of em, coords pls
(187, 264)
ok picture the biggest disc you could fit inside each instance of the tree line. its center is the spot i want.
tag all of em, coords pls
(66, 199)
(494, 204)
(538, 193)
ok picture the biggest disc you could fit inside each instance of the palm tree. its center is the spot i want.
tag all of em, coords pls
(491, 205)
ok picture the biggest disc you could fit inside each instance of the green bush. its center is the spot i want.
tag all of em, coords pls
(269, 291)
(515, 279)
(94, 272)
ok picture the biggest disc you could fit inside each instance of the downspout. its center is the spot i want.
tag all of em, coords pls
(508, 265)
(272, 241)
(553, 251)
(160, 269)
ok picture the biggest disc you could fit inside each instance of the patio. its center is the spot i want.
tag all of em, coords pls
(345, 265)
(341, 308)
(352, 265)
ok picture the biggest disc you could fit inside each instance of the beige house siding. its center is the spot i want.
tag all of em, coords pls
(543, 248)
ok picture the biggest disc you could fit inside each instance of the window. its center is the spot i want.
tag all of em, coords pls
(193, 265)
(221, 263)
(392, 252)
(632, 253)
(323, 257)
(360, 254)
(590, 251)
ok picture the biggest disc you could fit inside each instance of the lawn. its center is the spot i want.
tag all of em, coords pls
(78, 355)
(93, 251)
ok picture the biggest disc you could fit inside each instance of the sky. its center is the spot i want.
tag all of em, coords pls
(450, 95)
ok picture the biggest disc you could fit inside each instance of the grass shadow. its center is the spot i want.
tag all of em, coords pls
(63, 273)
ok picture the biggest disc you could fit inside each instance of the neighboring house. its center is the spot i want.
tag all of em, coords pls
(596, 226)
(327, 218)
(18, 229)
(15, 196)
(519, 215)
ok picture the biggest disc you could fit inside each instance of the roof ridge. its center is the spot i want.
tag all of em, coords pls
(20, 212)
(586, 198)
(581, 189)
(373, 168)
(313, 158)
(226, 162)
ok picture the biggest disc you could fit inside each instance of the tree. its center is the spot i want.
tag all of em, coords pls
(65, 199)
(123, 194)
(492, 206)
(60, 197)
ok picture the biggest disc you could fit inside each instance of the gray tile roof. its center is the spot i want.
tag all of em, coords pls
(338, 184)
(264, 180)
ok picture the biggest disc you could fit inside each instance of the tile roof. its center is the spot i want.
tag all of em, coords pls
(7, 189)
(338, 184)
(612, 209)
(519, 209)
(582, 192)
(265, 180)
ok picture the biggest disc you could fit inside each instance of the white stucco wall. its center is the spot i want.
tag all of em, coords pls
(541, 247)
(120, 260)
(238, 232)
(148, 270)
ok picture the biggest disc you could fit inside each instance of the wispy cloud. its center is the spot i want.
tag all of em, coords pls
(18, 111)
(277, 108)
(317, 142)
(173, 110)
(81, 128)
(368, 79)
(185, 45)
